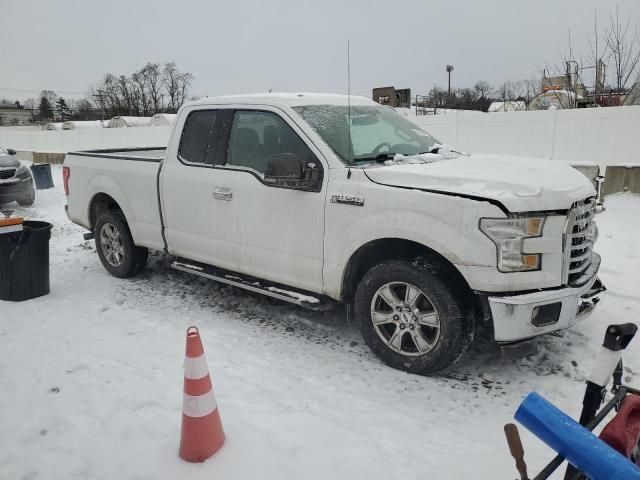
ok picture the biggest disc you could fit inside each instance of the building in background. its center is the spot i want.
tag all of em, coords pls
(567, 83)
(12, 114)
(392, 97)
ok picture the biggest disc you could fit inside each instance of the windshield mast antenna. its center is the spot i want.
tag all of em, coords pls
(349, 107)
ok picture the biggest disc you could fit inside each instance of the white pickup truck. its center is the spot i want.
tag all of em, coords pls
(317, 199)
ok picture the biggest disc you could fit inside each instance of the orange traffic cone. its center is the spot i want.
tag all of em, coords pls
(202, 433)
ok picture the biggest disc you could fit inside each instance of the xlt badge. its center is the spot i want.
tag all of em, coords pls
(348, 200)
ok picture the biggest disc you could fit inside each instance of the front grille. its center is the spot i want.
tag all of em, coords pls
(582, 235)
(7, 173)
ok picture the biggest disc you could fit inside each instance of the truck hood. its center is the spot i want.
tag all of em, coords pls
(519, 184)
(7, 160)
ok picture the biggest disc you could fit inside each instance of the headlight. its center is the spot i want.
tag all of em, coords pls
(508, 235)
(22, 169)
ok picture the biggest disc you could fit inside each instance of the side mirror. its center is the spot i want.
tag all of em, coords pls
(11, 151)
(287, 170)
(284, 167)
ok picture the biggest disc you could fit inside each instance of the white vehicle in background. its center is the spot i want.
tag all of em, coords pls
(315, 199)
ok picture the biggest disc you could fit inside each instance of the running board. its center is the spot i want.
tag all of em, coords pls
(305, 299)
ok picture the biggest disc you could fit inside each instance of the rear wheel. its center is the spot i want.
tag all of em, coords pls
(117, 252)
(411, 318)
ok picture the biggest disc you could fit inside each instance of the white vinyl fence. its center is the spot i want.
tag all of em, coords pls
(606, 136)
(64, 141)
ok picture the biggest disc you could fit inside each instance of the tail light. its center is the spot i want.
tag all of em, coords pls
(66, 173)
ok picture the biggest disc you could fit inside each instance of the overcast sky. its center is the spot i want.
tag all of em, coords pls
(240, 46)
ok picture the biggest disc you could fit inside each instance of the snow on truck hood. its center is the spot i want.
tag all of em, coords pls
(520, 184)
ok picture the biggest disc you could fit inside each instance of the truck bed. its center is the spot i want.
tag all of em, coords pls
(130, 176)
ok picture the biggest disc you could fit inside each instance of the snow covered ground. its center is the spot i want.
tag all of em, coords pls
(91, 377)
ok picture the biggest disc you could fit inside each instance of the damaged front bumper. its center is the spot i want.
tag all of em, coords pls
(524, 316)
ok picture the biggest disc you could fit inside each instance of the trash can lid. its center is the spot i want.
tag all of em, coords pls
(36, 225)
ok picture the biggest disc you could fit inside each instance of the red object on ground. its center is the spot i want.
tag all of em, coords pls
(202, 433)
(622, 433)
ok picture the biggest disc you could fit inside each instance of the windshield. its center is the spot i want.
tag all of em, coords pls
(377, 132)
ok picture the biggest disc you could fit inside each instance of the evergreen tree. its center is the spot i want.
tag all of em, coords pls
(45, 108)
(62, 109)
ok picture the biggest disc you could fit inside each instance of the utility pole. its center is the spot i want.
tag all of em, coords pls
(100, 95)
(449, 70)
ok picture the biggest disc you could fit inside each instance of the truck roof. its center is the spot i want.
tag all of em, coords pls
(286, 98)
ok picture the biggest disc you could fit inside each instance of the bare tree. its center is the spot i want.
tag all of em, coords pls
(108, 96)
(507, 91)
(483, 89)
(531, 89)
(170, 79)
(177, 85)
(597, 52)
(184, 80)
(153, 83)
(139, 95)
(31, 105)
(126, 87)
(141, 92)
(624, 46)
(50, 95)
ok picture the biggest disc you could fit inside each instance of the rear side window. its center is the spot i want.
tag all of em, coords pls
(197, 144)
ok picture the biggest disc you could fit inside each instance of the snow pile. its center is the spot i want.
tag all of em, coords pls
(92, 377)
(440, 152)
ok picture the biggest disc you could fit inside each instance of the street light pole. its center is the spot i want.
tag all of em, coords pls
(449, 70)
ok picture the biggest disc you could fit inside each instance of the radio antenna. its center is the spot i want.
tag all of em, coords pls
(349, 107)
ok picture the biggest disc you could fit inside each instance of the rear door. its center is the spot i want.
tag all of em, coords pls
(188, 179)
(276, 233)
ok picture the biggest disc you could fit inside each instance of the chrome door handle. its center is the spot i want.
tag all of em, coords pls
(223, 194)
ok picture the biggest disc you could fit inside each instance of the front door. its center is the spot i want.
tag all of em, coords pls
(275, 233)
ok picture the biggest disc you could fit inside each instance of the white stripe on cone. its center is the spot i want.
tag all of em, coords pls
(195, 367)
(200, 405)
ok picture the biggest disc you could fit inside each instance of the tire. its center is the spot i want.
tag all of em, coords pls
(28, 200)
(117, 252)
(437, 315)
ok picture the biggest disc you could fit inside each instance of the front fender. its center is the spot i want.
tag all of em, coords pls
(447, 225)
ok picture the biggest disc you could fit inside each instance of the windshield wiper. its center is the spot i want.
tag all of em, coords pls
(380, 158)
(433, 150)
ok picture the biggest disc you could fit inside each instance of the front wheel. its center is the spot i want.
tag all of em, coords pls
(114, 243)
(411, 317)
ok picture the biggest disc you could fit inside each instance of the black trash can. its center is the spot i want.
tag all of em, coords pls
(24, 262)
(42, 175)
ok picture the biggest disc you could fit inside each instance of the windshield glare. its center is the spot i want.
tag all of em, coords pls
(376, 131)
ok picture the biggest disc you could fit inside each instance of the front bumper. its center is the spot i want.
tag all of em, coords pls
(15, 188)
(518, 317)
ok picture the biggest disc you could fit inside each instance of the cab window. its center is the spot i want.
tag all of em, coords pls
(258, 135)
